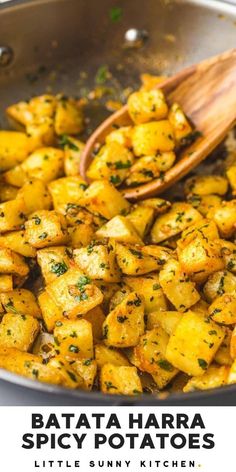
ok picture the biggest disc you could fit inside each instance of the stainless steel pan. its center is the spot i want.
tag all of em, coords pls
(48, 43)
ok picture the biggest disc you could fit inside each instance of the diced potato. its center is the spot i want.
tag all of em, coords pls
(74, 338)
(6, 283)
(87, 369)
(120, 380)
(125, 323)
(41, 132)
(226, 353)
(223, 309)
(232, 342)
(206, 185)
(54, 262)
(12, 263)
(201, 258)
(74, 294)
(68, 116)
(149, 287)
(68, 371)
(204, 228)
(67, 190)
(107, 355)
(20, 113)
(141, 218)
(150, 167)
(204, 203)
(232, 373)
(51, 312)
(111, 163)
(7, 192)
(119, 295)
(178, 218)
(151, 356)
(231, 175)
(177, 286)
(35, 195)
(167, 320)
(20, 301)
(228, 251)
(219, 283)
(12, 215)
(96, 317)
(31, 366)
(81, 235)
(144, 106)
(121, 229)
(121, 136)
(214, 377)
(18, 331)
(45, 164)
(225, 218)
(104, 199)
(133, 261)
(73, 149)
(16, 241)
(194, 343)
(14, 148)
(98, 262)
(157, 204)
(148, 138)
(15, 176)
(178, 120)
(46, 228)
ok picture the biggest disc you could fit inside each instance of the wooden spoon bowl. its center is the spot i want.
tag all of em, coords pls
(207, 94)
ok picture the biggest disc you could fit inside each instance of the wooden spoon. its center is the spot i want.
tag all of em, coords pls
(207, 94)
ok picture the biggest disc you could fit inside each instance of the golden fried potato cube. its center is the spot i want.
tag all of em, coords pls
(12, 263)
(204, 228)
(159, 205)
(103, 198)
(149, 287)
(70, 376)
(109, 355)
(225, 218)
(6, 283)
(151, 356)
(133, 261)
(223, 309)
(226, 353)
(147, 105)
(74, 294)
(54, 262)
(148, 138)
(201, 258)
(81, 235)
(67, 190)
(35, 195)
(87, 369)
(231, 175)
(204, 203)
(111, 163)
(120, 380)
(125, 323)
(16, 241)
(194, 343)
(74, 338)
(15, 176)
(98, 262)
(121, 229)
(178, 218)
(180, 123)
(147, 168)
(119, 295)
(31, 366)
(18, 331)
(232, 373)
(7, 192)
(46, 228)
(12, 215)
(232, 342)
(43, 105)
(41, 132)
(141, 218)
(45, 164)
(228, 251)
(219, 283)
(68, 116)
(51, 312)
(21, 301)
(73, 149)
(20, 113)
(121, 136)
(215, 376)
(167, 320)
(14, 148)
(177, 286)
(96, 317)
(206, 185)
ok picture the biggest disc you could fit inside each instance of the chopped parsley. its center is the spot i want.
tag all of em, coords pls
(165, 365)
(203, 364)
(59, 268)
(115, 14)
(101, 75)
(65, 141)
(73, 348)
(36, 219)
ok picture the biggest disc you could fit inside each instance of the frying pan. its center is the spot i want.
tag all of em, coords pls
(54, 45)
